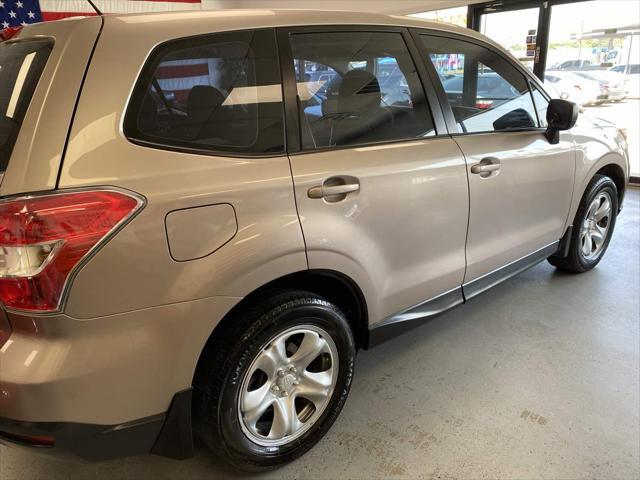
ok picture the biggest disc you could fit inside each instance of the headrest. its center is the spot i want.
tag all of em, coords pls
(358, 90)
(202, 101)
(148, 116)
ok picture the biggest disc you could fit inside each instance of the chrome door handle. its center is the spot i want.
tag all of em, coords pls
(485, 168)
(335, 189)
(322, 191)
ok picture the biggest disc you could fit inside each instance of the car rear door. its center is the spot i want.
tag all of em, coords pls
(382, 196)
(520, 184)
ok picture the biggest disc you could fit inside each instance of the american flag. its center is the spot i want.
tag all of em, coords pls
(14, 13)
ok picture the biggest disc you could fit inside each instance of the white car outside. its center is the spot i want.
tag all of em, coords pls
(612, 84)
(632, 74)
(575, 88)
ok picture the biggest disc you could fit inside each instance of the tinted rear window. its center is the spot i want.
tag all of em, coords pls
(21, 65)
(219, 93)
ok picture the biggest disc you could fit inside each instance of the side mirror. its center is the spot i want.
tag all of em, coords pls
(561, 115)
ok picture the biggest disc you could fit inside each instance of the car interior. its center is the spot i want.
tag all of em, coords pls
(210, 97)
(354, 89)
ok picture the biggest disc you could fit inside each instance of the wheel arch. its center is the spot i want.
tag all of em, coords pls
(336, 287)
(615, 173)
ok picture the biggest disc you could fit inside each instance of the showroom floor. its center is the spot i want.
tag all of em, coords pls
(537, 378)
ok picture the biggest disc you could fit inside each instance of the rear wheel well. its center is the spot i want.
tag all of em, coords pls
(615, 173)
(333, 286)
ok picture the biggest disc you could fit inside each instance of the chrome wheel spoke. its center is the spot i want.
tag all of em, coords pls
(603, 210)
(317, 379)
(253, 415)
(586, 244)
(315, 387)
(257, 399)
(598, 236)
(311, 346)
(593, 208)
(285, 418)
(272, 357)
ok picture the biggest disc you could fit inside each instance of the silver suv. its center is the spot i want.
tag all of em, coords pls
(204, 215)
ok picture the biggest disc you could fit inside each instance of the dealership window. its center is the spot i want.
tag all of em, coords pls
(218, 92)
(456, 15)
(590, 56)
(485, 92)
(356, 88)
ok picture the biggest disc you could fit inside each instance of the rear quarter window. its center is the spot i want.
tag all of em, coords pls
(21, 65)
(213, 93)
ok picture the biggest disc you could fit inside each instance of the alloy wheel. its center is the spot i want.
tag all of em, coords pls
(595, 226)
(288, 385)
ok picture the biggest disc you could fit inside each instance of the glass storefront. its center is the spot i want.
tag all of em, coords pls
(457, 15)
(594, 59)
(515, 30)
(588, 52)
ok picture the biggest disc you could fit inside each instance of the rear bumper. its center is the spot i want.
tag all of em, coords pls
(168, 434)
(104, 387)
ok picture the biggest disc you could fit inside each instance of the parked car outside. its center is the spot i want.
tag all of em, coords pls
(572, 65)
(578, 89)
(632, 73)
(188, 249)
(612, 84)
(490, 86)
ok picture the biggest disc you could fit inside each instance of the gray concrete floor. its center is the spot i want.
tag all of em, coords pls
(537, 378)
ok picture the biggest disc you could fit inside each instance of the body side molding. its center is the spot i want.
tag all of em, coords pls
(404, 321)
(414, 316)
(491, 279)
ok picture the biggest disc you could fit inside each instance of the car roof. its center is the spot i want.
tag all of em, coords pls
(262, 18)
(239, 19)
(285, 16)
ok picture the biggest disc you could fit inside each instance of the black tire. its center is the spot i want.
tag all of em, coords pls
(222, 368)
(575, 261)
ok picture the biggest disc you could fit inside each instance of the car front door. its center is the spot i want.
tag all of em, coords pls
(520, 184)
(381, 197)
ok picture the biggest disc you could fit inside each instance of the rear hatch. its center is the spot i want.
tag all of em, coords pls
(41, 73)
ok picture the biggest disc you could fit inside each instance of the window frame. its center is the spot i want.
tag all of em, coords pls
(143, 77)
(451, 123)
(293, 120)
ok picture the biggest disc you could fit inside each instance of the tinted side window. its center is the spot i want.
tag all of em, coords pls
(486, 93)
(356, 88)
(21, 65)
(217, 92)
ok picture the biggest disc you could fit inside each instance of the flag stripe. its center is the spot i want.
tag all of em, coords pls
(51, 16)
(183, 71)
(81, 7)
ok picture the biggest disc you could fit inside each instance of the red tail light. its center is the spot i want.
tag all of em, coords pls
(43, 238)
(484, 104)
